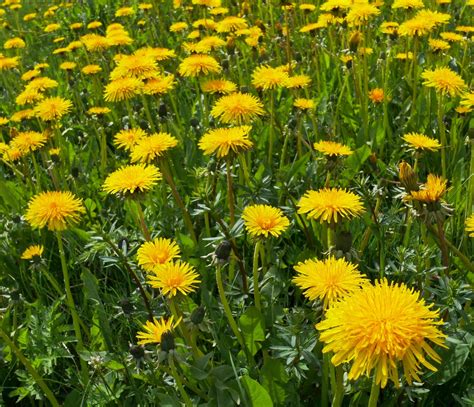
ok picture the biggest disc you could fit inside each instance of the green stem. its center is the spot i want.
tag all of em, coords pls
(230, 190)
(72, 307)
(141, 217)
(442, 134)
(31, 370)
(256, 290)
(176, 377)
(227, 310)
(339, 391)
(374, 394)
(325, 381)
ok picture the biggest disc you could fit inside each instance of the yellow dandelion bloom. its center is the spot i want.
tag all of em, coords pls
(332, 148)
(98, 110)
(127, 139)
(14, 43)
(452, 37)
(152, 331)
(304, 104)
(231, 23)
(150, 147)
(198, 64)
(328, 280)
(136, 66)
(218, 86)
(408, 4)
(438, 45)
(444, 80)
(361, 12)
(224, 140)
(157, 53)
(177, 27)
(159, 85)
(67, 66)
(173, 278)
(158, 252)
(124, 12)
(330, 205)
(434, 17)
(389, 27)
(237, 108)
(8, 62)
(264, 220)
(122, 89)
(377, 328)
(376, 95)
(22, 115)
(28, 96)
(416, 27)
(132, 178)
(467, 100)
(51, 27)
(298, 82)
(41, 84)
(91, 69)
(53, 108)
(54, 209)
(421, 142)
(432, 191)
(27, 141)
(470, 225)
(32, 251)
(266, 77)
(3, 121)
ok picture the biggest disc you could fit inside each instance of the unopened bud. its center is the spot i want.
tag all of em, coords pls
(355, 40)
(407, 177)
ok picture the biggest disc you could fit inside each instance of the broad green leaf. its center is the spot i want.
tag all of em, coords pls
(251, 325)
(256, 392)
(274, 377)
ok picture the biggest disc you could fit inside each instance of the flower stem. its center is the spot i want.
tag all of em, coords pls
(141, 218)
(256, 290)
(325, 381)
(179, 201)
(72, 307)
(230, 190)
(374, 394)
(442, 134)
(31, 370)
(227, 310)
(339, 391)
(179, 385)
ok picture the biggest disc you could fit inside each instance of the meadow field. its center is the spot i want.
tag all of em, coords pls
(236, 203)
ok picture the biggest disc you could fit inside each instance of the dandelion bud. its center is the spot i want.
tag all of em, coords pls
(162, 110)
(137, 352)
(197, 316)
(222, 252)
(167, 342)
(407, 177)
(355, 40)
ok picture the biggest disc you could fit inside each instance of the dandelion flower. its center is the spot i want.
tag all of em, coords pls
(444, 80)
(298, 82)
(330, 205)
(265, 77)
(237, 108)
(54, 209)
(408, 4)
(332, 148)
(376, 95)
(127, 139)
(132, 178)
(198, 64)
(421, 142)
(98, 110)
(328, 280)
(150, 147)
(438, 45)
(27, 141)
(377, 328)
(53, 108)
(122, 89)
(91, 69)
(152, 331)
(218, 86)
(159, 85)
(264, 220)
(304, 104)
(136, 66)
(470, 225)
(158, 252)
(361, 12)
(225, 140)
(432, 191)
(32, 251)
(173, 278)
(14, 43)
(416, 27)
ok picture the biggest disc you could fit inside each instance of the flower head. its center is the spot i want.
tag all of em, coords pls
(173, 278)
(127, 139)
(27, 141)
(470, 225)
(159, 85)
(329, 279)
(152, 331)
(379, 326)
(304, 104)
(122, 89)
(264, 220)
(432, 191)
(376, 95)
(225, 140)
(237, 108)
(330, 204)
(32, 251)
(54, 209)
(157, 252)
(132, 178)
(265, 77)
(332, 148)
(218, 86)
(444, 80)
(198, 64)
(421, 142)
(150, 147)
(52, 108)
